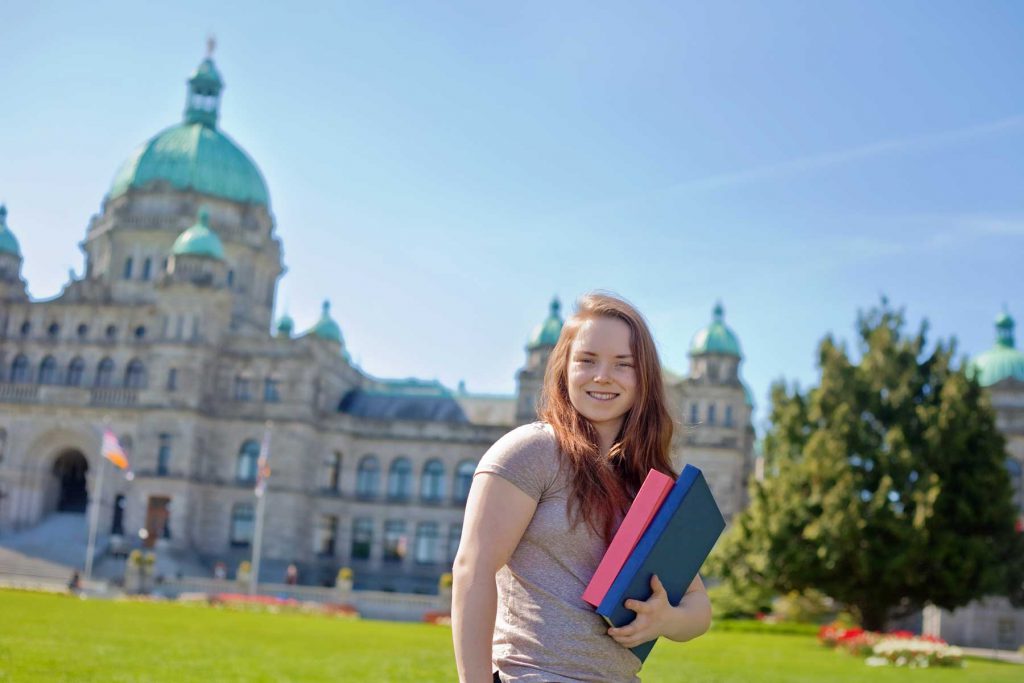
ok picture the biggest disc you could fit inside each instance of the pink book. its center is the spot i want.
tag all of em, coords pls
(656, 486)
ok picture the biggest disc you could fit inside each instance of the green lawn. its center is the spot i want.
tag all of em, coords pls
(55, 638)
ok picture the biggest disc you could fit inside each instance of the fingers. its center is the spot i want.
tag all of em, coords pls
(656, 585)
(637, 606)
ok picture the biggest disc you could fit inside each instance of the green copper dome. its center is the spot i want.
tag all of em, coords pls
(285, 325)
(716, 337)
(8, 244)
(195, 155)
(325, 327)
(1002, 361)
(199, 240)
(547, 333)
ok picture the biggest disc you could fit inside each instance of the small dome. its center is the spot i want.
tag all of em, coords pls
(285, 325)
(325, 327)
(716, 337)
(8, 244)
(194, 154)
(547, 333)
(199, 240)
(1002, 361)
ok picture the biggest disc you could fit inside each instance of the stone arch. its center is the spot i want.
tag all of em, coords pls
(43, 465)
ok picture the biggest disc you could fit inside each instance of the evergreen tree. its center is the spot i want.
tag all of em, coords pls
(885, 485)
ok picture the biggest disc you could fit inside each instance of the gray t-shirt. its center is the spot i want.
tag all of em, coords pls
(544, 631)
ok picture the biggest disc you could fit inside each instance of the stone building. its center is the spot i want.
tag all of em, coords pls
(169, 338)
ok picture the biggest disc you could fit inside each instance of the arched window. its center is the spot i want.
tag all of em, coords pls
(26, 328)
(432, 483)
(48, 371)
(368, 477)
(82, 331)
(135, 375)
(53, 331)
(105, 373)
(728, 416)
(711, 414)
(463, 479)
(400, 479)
(19, 370)
(242, 523)
(147, 268)
(76, 370)
(111, 332)
(248, 456)
(128, 263)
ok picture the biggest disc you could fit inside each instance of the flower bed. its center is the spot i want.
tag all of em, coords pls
(438, 618)
(898, 648)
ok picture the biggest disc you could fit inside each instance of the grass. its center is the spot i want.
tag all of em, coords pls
(61, 638)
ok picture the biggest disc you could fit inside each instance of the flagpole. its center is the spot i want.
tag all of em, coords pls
(261, 505)
(94, 517)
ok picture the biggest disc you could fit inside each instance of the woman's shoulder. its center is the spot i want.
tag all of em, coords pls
(532, 435)
(527, 456)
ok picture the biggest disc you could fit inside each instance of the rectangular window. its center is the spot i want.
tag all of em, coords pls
(394, 540)
(325, 535)
(270, 394)
(147, 268)
(331, 468)
(128, 268)
(362, 538)
(172, 379)
(694, 413)
(242, 524)
(711, 414)
(163, 455)
(728, 416)
(243, 389)
(427, 537)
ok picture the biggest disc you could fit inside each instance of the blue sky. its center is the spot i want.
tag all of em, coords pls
(440, 170)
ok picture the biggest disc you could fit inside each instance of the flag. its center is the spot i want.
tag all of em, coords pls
(112, 451)
(262, 468)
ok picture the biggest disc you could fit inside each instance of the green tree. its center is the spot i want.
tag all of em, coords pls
(885, 485)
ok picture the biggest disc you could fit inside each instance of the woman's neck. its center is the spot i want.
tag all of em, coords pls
(606, 434)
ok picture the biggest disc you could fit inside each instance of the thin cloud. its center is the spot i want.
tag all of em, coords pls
(841, 157)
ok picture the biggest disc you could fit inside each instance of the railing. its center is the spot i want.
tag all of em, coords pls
(19, 393)
(113, 396)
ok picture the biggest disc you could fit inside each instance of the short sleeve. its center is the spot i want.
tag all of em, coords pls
(527, 456)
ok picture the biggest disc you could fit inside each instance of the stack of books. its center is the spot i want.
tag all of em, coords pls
(669, 530)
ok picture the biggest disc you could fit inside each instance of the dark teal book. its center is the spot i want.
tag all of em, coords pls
(674, 546)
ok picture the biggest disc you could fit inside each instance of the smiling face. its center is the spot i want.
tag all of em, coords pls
(602, 376)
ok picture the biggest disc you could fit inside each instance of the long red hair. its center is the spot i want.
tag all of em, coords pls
(604, 487)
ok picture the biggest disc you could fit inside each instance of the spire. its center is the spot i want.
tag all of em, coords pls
(556, 307)
(203, 102)
(719, 312)
(1004, 329)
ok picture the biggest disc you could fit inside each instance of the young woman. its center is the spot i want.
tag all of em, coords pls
(546, 500)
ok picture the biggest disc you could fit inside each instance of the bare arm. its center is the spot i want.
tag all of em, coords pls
(497, 514)
(657, 617)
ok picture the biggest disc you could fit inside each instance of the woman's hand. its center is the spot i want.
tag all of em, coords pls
(652, 618)
(657, 617)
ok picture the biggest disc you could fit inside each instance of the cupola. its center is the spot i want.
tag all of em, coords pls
(547, 333)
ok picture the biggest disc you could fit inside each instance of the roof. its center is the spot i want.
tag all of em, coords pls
(8, 243)
(547, 333)
(716, 338)
(199, 240)
(393, 405)
(194, 154)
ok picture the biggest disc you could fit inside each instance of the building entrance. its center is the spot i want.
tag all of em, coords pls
(70, 468)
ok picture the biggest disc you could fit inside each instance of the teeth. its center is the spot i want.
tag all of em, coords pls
(602, 396)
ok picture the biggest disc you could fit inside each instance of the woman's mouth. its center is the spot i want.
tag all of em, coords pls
(601, 395)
